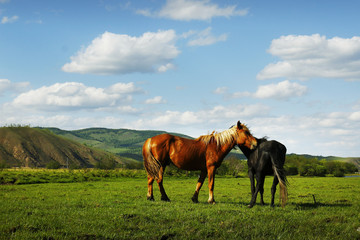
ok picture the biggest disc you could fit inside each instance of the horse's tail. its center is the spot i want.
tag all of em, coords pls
(283, 182)
(152, 165)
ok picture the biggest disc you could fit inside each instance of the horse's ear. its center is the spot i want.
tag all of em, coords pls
(239, 125)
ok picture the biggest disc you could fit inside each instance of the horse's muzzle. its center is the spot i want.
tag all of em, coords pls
(253, 145)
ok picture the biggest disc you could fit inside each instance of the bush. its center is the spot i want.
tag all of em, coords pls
(320, 171)
(53, 165)
(291, 170)
(339, 173)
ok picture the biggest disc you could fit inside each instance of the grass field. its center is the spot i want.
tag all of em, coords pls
(117, 209)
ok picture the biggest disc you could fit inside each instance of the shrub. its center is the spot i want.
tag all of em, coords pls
(320, 171)
(291, 170)
(53, 165)
(339, 173)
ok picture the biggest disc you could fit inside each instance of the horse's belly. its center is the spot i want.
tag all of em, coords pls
(189, 163)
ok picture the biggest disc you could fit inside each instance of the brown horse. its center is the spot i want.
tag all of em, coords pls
(205, 153)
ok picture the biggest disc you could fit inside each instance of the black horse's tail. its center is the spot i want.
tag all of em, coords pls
(152, 165)
(280, 174)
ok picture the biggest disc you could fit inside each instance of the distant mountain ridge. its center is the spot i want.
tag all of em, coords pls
(34, 147)
(123, 142)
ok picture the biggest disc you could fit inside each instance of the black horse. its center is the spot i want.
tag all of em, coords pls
(267, 158)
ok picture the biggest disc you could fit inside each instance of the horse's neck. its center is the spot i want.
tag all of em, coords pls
(224, 149)
(246, 151)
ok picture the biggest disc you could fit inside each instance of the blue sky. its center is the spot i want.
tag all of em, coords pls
(290, 70)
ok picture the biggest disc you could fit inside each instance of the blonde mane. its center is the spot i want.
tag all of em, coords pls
(221, 138)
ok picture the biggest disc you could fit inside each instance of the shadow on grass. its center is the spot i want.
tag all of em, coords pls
(305, 206)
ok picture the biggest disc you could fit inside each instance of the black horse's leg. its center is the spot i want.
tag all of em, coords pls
(273, 189)
(164, 197)
(262, 181)
(150, 195)
(198, 186)
(252, 182)
(259, 183)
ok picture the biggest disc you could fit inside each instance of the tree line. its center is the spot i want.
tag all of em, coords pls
(294, 165)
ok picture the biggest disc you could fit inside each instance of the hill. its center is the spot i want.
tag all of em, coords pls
(34, 147)
(122, 142)
(353, 160)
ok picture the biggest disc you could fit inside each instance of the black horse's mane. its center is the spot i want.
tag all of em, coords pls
(261, 140)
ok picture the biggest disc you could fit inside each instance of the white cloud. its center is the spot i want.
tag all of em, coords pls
(213, 116)
(4, 1)
(74, 96)
(155, 100)
(221, 90)
(320, 134)
(6, 19)
(186, 10)
(205, 38)
(119, 54)
(7, 85)
(314, 56)
(166, 67)
(124, 88)
(281, 91)
(355, 116)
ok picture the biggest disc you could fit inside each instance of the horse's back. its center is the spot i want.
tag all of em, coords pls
(272, 147)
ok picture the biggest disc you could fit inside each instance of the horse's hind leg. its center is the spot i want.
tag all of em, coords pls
(159, 181)
(198, 186)
(262, 191)
(273, 189)
(150, 195)
(259, 184)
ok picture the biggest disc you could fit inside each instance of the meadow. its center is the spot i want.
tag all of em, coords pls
(116, 208)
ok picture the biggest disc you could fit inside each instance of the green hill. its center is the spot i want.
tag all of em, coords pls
(34, 147)
(122, 142)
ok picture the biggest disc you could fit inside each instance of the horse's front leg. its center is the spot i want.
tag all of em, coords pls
(198, 186)
(211, 174)
(252, 182)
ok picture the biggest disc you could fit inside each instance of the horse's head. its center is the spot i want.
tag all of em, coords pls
(244, 136)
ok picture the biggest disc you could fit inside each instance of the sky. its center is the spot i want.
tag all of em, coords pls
(289, 70)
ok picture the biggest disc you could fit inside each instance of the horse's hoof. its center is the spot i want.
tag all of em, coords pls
(150, 198)
(212, 202)
(250, 205)
(195, 200)
(165, 199)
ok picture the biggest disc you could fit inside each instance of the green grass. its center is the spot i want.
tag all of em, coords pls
(32, 176)
(118, 209)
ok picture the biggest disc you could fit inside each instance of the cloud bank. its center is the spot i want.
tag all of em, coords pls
(314, 56)
(8, 86)
(113, 53)
(75, 96)
(279, 91)
(6, 19)
(187, 10)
